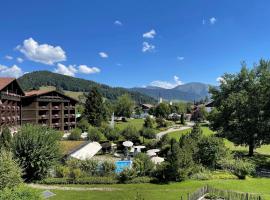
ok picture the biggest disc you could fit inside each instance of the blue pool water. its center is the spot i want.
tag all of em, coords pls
(121, 165)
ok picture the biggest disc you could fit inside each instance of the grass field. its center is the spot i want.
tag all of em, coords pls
(164, 192)
(138, 123)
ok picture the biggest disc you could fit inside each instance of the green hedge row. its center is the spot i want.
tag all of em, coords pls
(91, 180)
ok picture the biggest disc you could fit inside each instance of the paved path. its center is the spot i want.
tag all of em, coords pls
(187, 126)
(56, 187)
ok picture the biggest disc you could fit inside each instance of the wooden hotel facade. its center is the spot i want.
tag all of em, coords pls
(48, 108)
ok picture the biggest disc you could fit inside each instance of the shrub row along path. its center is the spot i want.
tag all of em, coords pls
(54, 187)
(173, 129)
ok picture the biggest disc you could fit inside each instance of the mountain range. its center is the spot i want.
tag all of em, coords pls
(186, 92)
(77, 86)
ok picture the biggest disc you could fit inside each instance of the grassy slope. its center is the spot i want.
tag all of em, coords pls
(169, 192)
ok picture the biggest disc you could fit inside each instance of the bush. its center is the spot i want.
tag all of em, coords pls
(75, 174)
(5, 138)
(111, 134)
(10, 172)
(37, 150)
(83, 124)
(211, 150)
(126, 175)
(131, 133)
(107, 168)
(89, 167)
(62, 171)
(73, 163)
(94, 134)
(20, 193)
(161, 123)
(142, 179)
(149, 122)
(148, 133)
(75, 134)
(85, 180)
(142, 164)
(239, 167)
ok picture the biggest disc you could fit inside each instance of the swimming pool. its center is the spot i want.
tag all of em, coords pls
(122, 164)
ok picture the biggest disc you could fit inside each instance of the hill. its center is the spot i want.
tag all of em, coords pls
(37, 79)
(186, 92)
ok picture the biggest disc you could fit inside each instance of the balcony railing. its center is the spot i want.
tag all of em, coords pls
(44, 107)
(43, 117)
(10, 96)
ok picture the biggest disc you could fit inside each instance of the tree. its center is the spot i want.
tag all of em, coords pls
(37, 149)
(124, 106)
(148, 122)
(183, 118)
(131, 133)
(5, 138)
(94, 111)
(162, 110)
(242, 106)
(94, 134)
(143, 164)
(148, 133)
(10, 172)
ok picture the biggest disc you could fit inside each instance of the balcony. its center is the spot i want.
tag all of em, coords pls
(55, 116)
(10, 96)
(56, 107)
(43, 107)
(43, 117)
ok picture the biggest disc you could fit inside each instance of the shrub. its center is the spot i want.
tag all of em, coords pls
(75, 173)
(94, 134)
(83, 124)
(107, 168)
(111, 134)
(5, 138)
(148, 133)
(239, 167)
(126, 175)
(131, 133)
(10, 172)
(37, 150)
(142, 179)
(161, 122)
(89, 166)
(142, 164)
(211, 150)
(149, 122)
(62, 171)
(73, 163)
(84, 180)
(75, 134)
(20, 193)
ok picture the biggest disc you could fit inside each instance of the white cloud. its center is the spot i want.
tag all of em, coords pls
(8, 57)
(150, 34)
(166, 84)
(13, 71)
(220, 79)
(65, 70)
(88, 70)
(43, 53)
(103, 55)
(148, 47)
(180, 58)
(213, 20)
(19, 60)
(118, 23)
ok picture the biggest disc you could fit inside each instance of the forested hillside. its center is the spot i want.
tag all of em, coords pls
(37, 79)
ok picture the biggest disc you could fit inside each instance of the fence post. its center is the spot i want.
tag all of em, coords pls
(246, 196)
(181, 197)
(188, 196)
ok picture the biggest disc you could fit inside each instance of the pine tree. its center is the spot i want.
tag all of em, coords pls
(94, 107)
(5, 138)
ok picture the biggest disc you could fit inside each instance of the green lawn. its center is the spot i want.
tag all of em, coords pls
(138, 123)
(168, 191)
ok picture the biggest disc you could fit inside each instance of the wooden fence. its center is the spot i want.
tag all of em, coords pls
(225, 194)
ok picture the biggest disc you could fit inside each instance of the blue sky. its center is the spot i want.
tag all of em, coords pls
(133, 42)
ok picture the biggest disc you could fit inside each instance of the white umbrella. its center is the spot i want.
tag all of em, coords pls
(139, 147)
(150, 154)
(157, 160)
(153, 150)
(128, 144)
